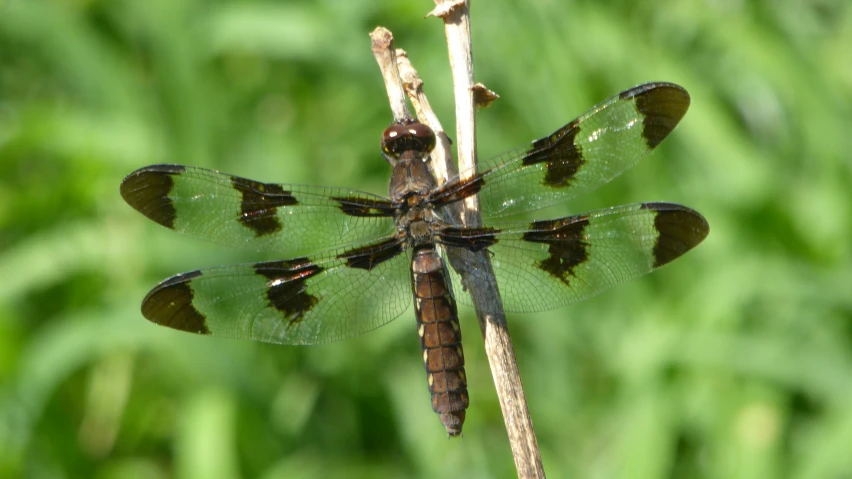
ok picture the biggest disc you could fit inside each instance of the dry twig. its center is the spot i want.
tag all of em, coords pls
(474, 268)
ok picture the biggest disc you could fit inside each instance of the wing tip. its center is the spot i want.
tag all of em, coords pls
(170, 304)
(680, 229)
(147, 191)
(662, 106)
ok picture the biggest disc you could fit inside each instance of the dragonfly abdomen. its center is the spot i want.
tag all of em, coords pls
(440, 337)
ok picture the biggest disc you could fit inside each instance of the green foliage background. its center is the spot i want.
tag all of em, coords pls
(733, 362)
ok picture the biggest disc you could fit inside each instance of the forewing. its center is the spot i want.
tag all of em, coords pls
(238, 212)
(546, 264)
(299, 301)
(579, 157)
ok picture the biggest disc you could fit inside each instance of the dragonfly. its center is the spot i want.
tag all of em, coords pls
(377, 254)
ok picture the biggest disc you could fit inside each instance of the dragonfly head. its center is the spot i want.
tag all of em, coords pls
(401, 137)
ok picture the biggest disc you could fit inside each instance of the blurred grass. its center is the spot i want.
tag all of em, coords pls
(734, 362)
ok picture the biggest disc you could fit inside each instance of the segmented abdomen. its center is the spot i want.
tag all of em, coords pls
(440, 338)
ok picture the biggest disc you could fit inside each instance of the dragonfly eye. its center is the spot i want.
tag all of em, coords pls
(422, 133)
(398, 138)
(394, 132)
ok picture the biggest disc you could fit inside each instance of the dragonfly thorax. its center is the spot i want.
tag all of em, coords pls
(411, 180)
